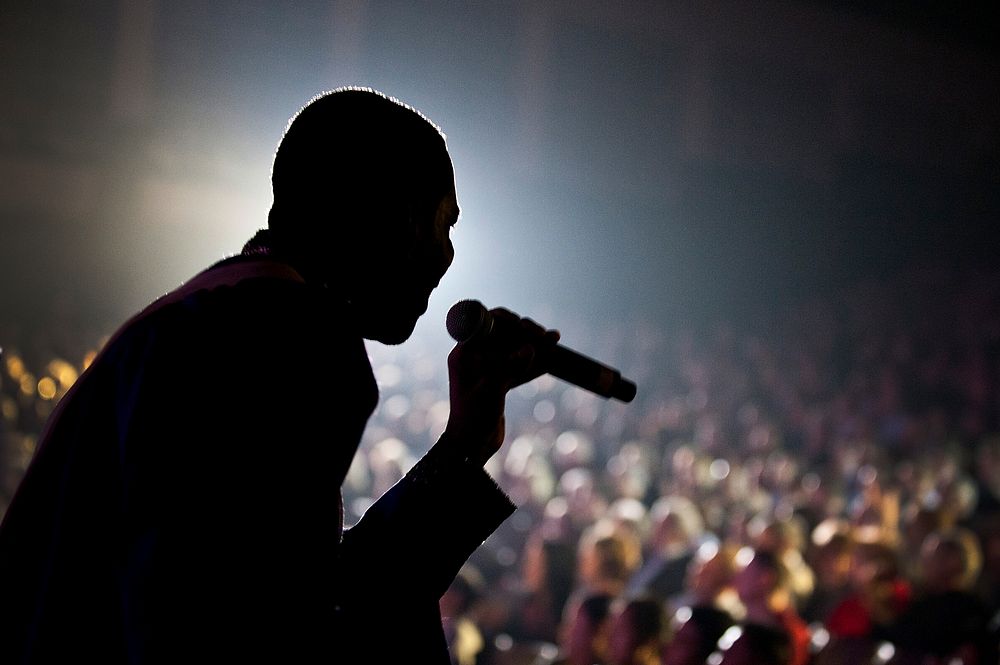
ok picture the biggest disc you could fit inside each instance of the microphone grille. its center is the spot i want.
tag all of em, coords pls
(465, 319)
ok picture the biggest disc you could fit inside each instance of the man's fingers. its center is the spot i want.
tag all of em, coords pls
(504, 317)
(514, 352)
(530, 327)
(517, 329)
(522, 359)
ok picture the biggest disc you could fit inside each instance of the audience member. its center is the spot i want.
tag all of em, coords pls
(945, 620)
(771, 632)
(698, 626)
(830, 558)
(588, 630)
(676, 528)
(637, 633)
(861, 621)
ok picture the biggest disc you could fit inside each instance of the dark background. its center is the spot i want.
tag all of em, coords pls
(667, 161)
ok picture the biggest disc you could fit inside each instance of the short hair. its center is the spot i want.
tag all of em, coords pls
(688, 516)
(348, 153)
(595, 607)
(612, 557)
(961, 544)
(771, 562)
(647, 617)
(559, 570)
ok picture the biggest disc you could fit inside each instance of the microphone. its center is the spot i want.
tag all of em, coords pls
(468, 318)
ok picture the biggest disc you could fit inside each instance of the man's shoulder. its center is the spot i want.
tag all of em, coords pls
(238, 290)
(233, 307)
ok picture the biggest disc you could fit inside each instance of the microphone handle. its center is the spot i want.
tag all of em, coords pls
(468, 318)
(590, 374)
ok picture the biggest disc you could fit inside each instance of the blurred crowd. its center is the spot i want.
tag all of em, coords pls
(819, 487)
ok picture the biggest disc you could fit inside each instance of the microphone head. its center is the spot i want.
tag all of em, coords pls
(466, 318)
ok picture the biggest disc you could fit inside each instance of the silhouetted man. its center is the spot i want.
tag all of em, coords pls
(184, 504)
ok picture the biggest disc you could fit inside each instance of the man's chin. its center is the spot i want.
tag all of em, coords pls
(392, 324)
(394, 331)
(392, 337)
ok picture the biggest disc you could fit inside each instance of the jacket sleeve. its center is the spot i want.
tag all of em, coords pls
(414, 539)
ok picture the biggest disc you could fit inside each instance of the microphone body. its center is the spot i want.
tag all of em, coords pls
(468, 318)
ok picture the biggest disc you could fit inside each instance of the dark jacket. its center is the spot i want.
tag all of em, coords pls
(184, 503)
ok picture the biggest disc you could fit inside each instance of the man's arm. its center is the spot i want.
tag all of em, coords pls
(414, 539)
(422, 530)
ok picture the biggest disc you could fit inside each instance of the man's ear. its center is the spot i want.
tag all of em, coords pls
(389, 222)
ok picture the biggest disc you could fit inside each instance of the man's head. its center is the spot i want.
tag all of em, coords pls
(761, 578)
(676, 525)
(710, 572)
(586, 637)
(636, 632)
(364, 200)
(950, 560)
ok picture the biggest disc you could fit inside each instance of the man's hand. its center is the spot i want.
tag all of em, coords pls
(481, 371)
